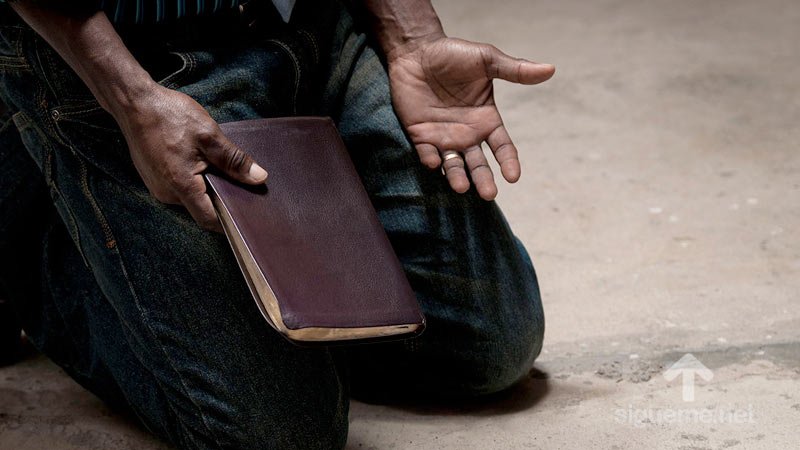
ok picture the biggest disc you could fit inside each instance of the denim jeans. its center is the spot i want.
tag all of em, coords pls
(150, 312)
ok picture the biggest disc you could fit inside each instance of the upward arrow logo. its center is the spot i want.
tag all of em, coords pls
(688, 366)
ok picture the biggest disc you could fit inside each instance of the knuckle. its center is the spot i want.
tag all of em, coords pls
(481, 167)
(182, 184)
(431, 162)
(169, 171)
(235, 159)
(207, 136)
(506, 149)
(455, 171)
(488, 51)
(178, 183)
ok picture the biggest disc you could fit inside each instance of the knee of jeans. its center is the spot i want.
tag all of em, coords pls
(507, 349)
(329, 433)
(301, 417)
(306, 429)
(510, 359)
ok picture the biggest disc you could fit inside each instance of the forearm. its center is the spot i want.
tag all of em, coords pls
(89, 44)
(400, 24)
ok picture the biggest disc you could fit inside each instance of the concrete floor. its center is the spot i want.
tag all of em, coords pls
(660, 202)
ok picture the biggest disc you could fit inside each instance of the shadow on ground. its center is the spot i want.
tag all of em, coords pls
(523, 395)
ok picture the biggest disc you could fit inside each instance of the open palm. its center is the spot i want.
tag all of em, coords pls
(443, 95)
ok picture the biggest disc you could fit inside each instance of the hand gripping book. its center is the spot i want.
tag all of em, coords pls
(309, 243)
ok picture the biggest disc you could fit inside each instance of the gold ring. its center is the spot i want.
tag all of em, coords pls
(447, 156)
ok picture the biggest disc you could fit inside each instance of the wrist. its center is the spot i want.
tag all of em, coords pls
(403, 26)
(104, 63)
(117, 81)
(129, 96)
(410, 44)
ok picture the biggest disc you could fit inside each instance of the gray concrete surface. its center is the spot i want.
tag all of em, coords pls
(660, 202)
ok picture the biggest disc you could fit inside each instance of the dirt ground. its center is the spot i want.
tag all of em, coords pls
(660, 200)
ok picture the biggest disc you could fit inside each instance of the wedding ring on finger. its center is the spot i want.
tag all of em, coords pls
(447, 156)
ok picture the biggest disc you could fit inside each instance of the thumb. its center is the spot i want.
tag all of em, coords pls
(517, 70)
(234, 162)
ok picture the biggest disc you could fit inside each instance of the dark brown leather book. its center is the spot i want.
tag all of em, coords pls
(309, 242)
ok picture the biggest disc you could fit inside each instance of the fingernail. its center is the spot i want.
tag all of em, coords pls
(257, 173)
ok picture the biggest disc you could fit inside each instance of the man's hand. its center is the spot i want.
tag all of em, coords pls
(172, 141)
(442, 92)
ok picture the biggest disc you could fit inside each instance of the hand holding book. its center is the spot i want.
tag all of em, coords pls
(309, 243)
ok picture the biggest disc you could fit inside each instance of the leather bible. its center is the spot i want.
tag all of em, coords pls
(309, 243)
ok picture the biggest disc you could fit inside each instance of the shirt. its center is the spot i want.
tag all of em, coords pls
(158, 11)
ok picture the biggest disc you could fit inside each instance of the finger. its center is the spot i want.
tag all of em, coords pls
(232, 160)
(428, 156)
(456, 175)
(481, 173)
(198, 203)
(505, 153)
(517, 70)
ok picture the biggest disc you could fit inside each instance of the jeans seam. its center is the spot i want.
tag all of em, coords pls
(41, 96)
(70, 220)
(77, 110)
(47, 65)
(297, 70)
(17, 62)
(172, 81)
(13, 63)
(7, 123)
(167, 358)
(72, 226)
(75, 113)
(115, 250)
(313, 42)
(360, 46)
(111, 241)
(22, 121)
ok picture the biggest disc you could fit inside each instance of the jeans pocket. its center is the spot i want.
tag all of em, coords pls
(38, 145)
(182, 66)
(299, 74)
(93, 135)
(11, 56)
